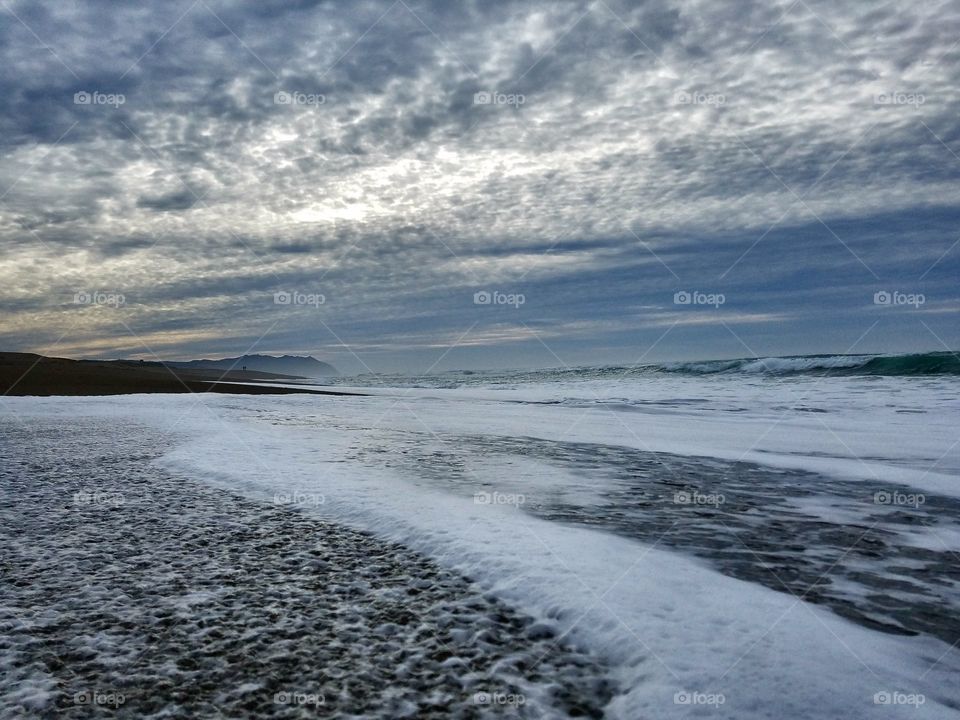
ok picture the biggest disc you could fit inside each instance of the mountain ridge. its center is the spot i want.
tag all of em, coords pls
(302, 365)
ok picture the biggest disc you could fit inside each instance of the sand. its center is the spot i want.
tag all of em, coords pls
(30, 374)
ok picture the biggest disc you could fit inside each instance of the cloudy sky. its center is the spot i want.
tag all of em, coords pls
(415, 184)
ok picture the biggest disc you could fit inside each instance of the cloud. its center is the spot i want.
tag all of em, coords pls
(617, 152)
(180, 200)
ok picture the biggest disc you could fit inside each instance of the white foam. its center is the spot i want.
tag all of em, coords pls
(877, 429)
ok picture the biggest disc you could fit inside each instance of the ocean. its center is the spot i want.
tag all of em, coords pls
(924, 364)
(758, 538)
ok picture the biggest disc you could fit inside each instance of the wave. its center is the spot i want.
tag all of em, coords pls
(918, 365)
(934, 363)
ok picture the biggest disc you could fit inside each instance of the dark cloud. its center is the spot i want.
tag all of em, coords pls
(178, 200)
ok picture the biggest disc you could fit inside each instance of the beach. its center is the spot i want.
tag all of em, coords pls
(597, 546)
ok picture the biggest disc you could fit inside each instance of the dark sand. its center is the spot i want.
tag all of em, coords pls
(30, 374)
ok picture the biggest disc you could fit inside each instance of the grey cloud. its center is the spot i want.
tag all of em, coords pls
(177, 200)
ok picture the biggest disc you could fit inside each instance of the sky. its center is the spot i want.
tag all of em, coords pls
(427, 185)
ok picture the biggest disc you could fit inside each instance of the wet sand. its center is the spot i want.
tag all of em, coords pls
(127, 591)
